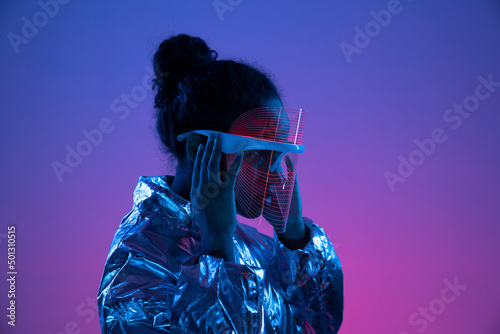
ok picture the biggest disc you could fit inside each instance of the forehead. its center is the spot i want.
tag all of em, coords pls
(270, 123)
(270, 118)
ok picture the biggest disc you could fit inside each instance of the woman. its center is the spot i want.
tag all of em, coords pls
(180, 263)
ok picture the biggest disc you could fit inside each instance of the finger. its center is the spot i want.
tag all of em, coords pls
(196, 169)
(289, 163)
(204, 161)
(214, 163)
(233, 170)
(291, 173)
(296, 186)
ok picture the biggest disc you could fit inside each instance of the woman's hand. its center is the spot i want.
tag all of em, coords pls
(213, 201)
(295, 235)
(295, 228)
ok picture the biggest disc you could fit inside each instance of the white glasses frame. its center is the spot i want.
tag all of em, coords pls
(233, 143)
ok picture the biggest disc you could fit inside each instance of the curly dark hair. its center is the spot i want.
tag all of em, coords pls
(197, 91)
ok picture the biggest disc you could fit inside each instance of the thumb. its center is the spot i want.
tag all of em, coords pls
(296, 192)
(289, 163)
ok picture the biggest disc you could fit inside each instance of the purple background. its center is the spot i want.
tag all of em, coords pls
(397, 247)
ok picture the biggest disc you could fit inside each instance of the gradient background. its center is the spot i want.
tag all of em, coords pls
(397, 247)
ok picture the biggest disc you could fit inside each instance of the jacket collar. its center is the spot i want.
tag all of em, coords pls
(148, 186)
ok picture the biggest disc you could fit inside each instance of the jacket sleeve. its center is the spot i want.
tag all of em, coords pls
(137, 287)
(160, 285)
(138, 300)
(312, 280)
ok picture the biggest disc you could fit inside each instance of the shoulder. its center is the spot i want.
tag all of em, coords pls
(152, 231)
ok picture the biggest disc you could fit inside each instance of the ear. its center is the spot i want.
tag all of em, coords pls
(192, 143)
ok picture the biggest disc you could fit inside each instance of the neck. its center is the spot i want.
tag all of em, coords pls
(182, 182)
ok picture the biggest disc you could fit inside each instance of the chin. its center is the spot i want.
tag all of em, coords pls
(249, 212)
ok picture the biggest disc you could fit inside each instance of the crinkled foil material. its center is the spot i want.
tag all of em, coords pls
(155, 280)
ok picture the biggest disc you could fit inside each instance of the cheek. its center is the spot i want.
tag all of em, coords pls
(259, 177)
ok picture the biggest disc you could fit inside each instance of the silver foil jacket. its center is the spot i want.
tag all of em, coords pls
(156, 281)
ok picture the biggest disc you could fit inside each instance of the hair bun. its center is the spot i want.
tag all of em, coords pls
(180, 54)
